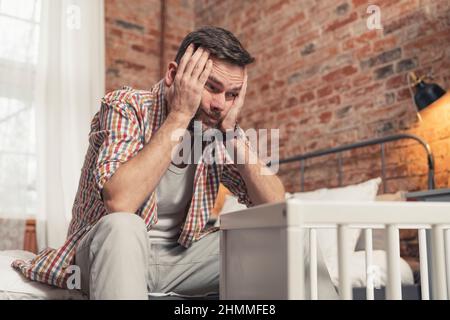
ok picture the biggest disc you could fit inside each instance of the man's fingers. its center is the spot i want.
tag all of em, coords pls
(185, 58)
(244, 87)
(206, 72)
(192, 62)
(201, 63)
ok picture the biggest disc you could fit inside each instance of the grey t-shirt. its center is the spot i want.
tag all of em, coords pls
(174, 194)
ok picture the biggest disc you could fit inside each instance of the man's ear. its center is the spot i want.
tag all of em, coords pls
(171, 72)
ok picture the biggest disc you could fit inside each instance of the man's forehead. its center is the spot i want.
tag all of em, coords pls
(227, 74)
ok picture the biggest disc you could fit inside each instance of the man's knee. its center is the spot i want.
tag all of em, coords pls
(122, 220)
(122, 225)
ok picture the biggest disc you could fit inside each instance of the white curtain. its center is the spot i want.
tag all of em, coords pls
(19, 34)
(51, 81)
(69, 84)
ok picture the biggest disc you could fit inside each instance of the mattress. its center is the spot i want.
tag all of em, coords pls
(14, 286)
(379, 270)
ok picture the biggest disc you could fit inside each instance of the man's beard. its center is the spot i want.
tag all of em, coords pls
(198, 117)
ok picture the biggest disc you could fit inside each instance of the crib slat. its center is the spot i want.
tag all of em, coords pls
(447, 259)
(393, 287)
(345, 286)
(423, 257)
(438, 256)
(313, 263)
(370, 295)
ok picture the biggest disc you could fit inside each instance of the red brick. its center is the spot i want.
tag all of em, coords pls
(384, 44)
(325, 117)
(278, 5)
(396, 82)
(363, 52)
(366, 37)
(307, 97)
(324, 91)
(340, 73)
(366, 91)
(342, 86)
(295, 20)
(361, 79)
(330, 102)
(341, 22)
(403, 94)
(291, 102)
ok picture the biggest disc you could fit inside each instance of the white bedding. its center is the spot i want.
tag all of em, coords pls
(13, 286)
(358, 273)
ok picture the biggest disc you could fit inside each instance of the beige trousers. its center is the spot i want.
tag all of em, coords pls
(118, 260)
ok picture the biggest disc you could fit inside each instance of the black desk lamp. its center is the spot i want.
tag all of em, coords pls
(426, 93)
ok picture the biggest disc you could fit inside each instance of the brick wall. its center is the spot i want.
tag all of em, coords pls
(324, 79)
(135, 49)
(321, 76)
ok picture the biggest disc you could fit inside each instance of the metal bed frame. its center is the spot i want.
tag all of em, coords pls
(378, 141)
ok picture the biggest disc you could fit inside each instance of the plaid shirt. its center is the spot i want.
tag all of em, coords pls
(125, 123)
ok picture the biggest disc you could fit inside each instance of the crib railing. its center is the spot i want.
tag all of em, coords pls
(392, 217)
(271, 238)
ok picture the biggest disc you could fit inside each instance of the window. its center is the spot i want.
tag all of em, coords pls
(19, 34)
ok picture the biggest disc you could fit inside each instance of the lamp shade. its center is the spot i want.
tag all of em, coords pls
(426, 94)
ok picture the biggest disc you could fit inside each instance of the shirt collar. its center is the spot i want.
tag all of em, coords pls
(161, 104)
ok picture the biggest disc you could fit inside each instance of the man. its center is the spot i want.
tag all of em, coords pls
(139, 217)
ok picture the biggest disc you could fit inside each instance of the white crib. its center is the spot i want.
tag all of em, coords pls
(262, 247)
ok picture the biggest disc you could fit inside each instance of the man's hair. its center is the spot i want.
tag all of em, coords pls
(221, 44)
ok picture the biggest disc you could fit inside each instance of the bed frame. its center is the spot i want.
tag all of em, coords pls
(379, 141)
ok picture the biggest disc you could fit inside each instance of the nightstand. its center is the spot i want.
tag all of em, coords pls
(442, 195)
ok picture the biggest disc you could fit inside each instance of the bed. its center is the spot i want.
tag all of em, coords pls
(16, 287)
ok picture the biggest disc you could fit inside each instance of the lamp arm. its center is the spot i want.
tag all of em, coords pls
(408, 76)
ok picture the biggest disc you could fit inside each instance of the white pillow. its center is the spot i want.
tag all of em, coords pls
(14, 286)
(379, 268)
(327, 238)
(231, 204)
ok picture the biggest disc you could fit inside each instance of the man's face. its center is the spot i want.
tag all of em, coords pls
(221, 90)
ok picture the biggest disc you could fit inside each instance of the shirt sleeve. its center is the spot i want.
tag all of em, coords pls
(122, 139)
(234, 182)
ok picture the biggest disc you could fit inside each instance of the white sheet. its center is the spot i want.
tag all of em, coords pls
(358, 266)
(13, 286)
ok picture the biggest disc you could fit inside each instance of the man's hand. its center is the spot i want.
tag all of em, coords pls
(230, 119)
(185, 93)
